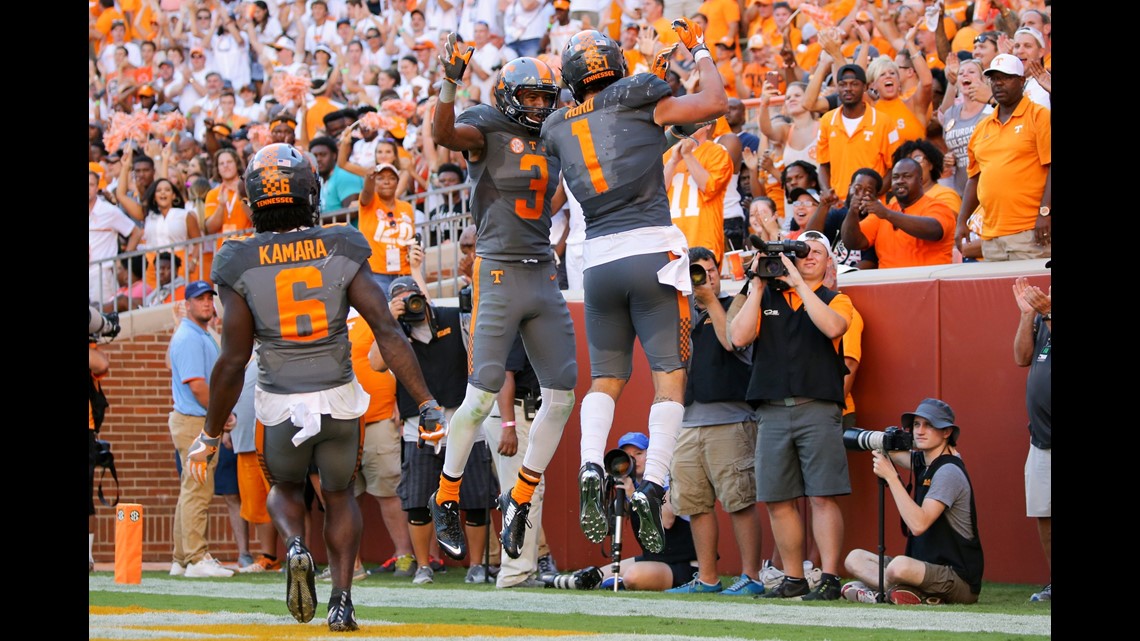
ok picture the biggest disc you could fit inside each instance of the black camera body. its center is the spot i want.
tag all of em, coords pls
(768, 262)
(415, 308)
(892, 439)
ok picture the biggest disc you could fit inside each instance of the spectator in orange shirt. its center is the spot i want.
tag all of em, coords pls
(843, 149)
(723, 19)
(697, 172)
(914, 229)
(731, 69)
(1010, 169)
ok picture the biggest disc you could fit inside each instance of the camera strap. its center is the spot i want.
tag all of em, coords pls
(115, 476)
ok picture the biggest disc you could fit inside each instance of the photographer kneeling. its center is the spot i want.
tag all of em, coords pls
(943, 561)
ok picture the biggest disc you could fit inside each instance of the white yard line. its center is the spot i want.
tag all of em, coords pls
(568, 602)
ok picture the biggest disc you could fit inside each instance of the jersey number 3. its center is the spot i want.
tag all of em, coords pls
(290, 309)
(533, 211)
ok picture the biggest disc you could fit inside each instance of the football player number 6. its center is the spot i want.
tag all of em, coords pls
(291, 309)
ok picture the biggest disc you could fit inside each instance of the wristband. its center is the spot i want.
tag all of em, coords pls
(508, 423)
(447, 91)
(701, 54)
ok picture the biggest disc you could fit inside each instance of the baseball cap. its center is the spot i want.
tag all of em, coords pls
(197, 288)
(756, 41)
(423, 43)
(636, 439)
(818, 237)
(860, 74)
(401, 285)
(284, 42)
(808, 31)
(1007, 64)
(194, 50)
(344, 21)
(862, 16)
(325, 48)
(562, 4)
(795, 194)
(146, 90)
(727, 41)
(937, 412)
(1033, 32)
(384, 165)
(167, 63)
(97, 168)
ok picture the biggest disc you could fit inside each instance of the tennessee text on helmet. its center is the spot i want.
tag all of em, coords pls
(280, 174)
(589, 57)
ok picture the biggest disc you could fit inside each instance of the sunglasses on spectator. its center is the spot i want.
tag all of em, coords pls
(204, 16)
(197, 55)
(986, 36)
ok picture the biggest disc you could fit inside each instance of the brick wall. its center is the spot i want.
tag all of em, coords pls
(138, 389)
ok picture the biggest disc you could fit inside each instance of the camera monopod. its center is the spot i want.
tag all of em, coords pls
(618, 465)
(881, 595)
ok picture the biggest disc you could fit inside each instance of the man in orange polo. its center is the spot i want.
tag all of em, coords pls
(914, 229)
(853, 135)
(1010, 170)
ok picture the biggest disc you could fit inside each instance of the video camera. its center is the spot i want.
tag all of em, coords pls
(100, 325)
(466, 303)
(768, 262)
(892, 439)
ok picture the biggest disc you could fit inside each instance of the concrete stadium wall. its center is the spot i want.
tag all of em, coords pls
(943, 331)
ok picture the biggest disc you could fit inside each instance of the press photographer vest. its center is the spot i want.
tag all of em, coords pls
(715, 374)
(443, 362)
(791, 357)
(941, 544)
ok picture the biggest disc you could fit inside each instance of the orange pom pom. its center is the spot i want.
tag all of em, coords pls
(402, 108)
(292, 89)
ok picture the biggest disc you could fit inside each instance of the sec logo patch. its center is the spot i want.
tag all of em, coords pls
(516, 145)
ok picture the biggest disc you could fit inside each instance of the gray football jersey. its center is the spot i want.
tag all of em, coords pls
(514, 182)
(296, 286)
(611, 152)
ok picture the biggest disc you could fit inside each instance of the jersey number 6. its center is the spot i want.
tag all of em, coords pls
(290, 309)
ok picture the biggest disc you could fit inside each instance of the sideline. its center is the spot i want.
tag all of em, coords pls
(569, 602)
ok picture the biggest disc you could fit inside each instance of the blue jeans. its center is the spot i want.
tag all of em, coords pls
(525, 48)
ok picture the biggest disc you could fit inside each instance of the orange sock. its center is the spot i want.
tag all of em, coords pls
(524, 487)
(448, 490)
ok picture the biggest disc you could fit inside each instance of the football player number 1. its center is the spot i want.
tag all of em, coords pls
(581, 130)
(291, 310)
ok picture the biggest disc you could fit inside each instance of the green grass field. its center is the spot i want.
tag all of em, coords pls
(252, 607)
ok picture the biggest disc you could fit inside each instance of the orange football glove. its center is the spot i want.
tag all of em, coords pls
(433, 425)
(661, 62)
(689, 32)
(202, 450)
(453, 60)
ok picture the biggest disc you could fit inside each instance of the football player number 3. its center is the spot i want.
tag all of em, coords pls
(533, 211)
(292, 310)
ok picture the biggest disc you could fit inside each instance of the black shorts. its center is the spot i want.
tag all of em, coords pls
(420, 470)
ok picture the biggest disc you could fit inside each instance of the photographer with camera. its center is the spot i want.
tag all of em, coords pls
(716, 450)
(439, 342)
(795, 326)
(943, 561)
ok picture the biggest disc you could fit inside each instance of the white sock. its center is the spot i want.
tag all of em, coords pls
(546, 428)
(90, 546)
(596, 415)
(463, 427)
(664, 427)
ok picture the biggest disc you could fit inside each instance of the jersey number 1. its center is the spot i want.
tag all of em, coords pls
(581, 131)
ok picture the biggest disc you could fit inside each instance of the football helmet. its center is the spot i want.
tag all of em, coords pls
(281, 174)
(522, 74)
(589, 57)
